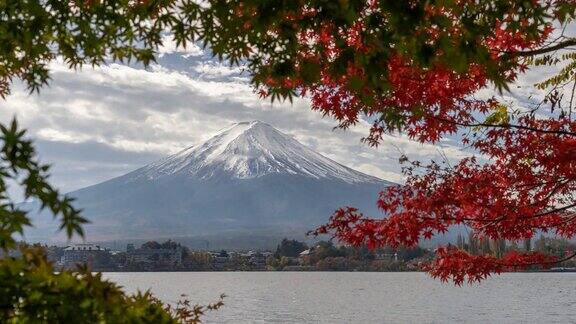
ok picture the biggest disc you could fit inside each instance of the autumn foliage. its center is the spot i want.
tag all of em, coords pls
(417, 66)
(524, 185)
(423, 80)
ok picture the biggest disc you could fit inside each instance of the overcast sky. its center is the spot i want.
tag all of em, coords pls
(96, 124)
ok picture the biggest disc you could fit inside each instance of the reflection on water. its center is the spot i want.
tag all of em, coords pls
(352, 297)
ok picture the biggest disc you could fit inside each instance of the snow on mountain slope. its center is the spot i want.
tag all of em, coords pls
(250, 150)
(249, 177)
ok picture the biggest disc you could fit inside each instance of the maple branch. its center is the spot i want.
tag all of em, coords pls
(541, 183)
(552, 192)
(498, 219)
(544, 131)
(541, 262)
(502, 218)
(544, 50)
(566, 258)
(551, 211)
(565, 221)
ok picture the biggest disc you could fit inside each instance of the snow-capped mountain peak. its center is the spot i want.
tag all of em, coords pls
(249, 177)
(250, 150)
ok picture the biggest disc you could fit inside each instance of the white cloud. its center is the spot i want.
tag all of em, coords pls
(213, 69)
(169, 47)
(132, 116)
(61, 136)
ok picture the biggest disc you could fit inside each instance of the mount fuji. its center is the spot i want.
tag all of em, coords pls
(250, 178)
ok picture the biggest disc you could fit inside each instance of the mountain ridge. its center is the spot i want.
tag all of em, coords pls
(248, 178)
(249, 150)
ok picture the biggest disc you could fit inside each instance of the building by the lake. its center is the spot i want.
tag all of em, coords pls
(88, 254)
(167, 256)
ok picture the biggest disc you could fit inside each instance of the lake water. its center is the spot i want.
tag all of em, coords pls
(354, 297)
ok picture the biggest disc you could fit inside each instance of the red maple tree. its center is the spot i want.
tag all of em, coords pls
(527, 181)
(409, 65)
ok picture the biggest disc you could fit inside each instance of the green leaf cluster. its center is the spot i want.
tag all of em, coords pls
(265, 35)
(499, 116)
(566, 74)
(31, 292)
(31, 289)
(35, 32)
(20, 165)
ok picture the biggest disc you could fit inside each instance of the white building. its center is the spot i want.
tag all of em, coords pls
(83, 253)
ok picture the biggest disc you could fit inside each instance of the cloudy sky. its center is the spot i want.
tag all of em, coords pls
(95, 124)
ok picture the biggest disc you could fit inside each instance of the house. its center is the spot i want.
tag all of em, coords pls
(220, 259)
(85, 254)
(257, 261)
(304, 256)
(161, 255)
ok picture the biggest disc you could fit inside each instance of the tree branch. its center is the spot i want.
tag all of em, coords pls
(544, 50)
(532, 129)
(498, 219)
(541, 263)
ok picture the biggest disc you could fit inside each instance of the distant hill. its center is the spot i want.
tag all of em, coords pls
(248, 179)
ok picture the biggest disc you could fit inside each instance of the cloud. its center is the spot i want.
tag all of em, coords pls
(169, 47)
(95, 124)
(77, 165)
(217, 70)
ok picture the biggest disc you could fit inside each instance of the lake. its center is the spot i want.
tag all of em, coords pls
(359, 297)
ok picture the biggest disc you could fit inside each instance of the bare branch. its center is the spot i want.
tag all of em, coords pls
(532, 129)
(544, 50)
